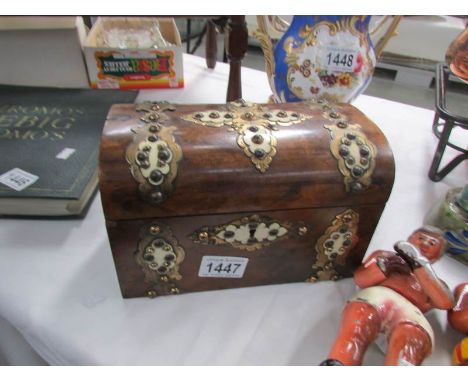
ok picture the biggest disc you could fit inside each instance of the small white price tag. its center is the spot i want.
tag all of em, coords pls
(340, 59)
(66, 153)
(18, 179)
(225, 267)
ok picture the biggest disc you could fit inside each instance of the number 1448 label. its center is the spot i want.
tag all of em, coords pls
(221, 266)
(340, 59)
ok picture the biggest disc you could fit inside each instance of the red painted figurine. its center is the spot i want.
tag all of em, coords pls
(396, 289)
(458, 319)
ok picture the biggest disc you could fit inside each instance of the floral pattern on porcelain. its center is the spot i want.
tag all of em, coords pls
(309, 55)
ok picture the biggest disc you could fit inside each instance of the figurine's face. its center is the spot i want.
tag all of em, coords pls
(431, 245)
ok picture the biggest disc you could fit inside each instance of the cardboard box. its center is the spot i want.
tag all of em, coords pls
(135, 68)
(42, 51)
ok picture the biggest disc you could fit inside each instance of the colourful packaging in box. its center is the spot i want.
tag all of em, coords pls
(135, 68)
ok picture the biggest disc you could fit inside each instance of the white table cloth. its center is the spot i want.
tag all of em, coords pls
(59, 290)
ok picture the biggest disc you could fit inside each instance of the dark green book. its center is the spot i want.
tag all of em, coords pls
(49, 145)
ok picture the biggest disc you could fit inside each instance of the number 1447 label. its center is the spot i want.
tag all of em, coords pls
(221, 266)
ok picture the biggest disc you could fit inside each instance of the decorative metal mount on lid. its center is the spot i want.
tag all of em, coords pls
(153, 155)
(255, 126)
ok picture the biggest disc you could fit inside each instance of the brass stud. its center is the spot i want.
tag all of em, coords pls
(167, 247)
(329, 244)
(164, 279)
(164, 155)
(334, 115)
(203, 235)
(249, 115)
(343, 151)
(357, 171)
(281, 114)
(154, 229)
(350, 161)
(259, 153)
(151, 294)
(364, 151)
(157, 197)
(342, 124)
(257, 139)
(174, 290)
(302, 231)
(154, 128)
(153, 117)
(312, 279)
(141, 156)
(156, 176)
(356, 187)
(229, 234)
(158, 243)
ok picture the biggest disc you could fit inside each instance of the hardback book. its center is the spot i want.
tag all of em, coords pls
(49, 140)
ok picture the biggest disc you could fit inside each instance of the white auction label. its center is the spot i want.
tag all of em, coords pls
(18, 179)
(340, 59)
(66, 153)
(221, 266)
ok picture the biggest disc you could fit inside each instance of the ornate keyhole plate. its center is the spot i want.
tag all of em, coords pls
(248, 233)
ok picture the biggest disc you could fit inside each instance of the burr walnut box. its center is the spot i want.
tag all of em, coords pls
(202, 197)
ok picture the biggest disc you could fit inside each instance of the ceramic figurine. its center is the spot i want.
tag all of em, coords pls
(457, 56)
(458, 319)
(397, 288)
(329, 57)
(451, 216)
